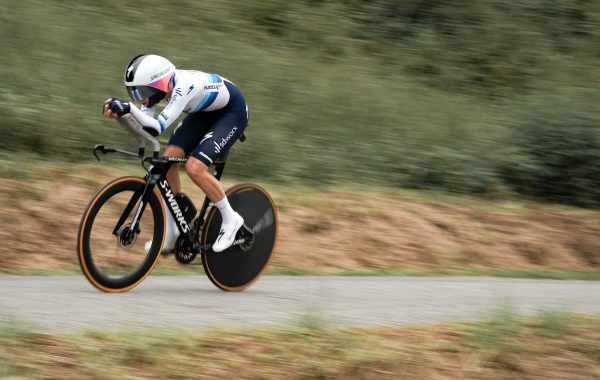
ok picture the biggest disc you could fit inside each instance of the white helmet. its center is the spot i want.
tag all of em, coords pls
(148, 76)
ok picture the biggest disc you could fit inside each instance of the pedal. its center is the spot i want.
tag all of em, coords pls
(244, 238)
(244, 232)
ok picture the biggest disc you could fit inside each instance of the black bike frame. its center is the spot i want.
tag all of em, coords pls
(156, 175)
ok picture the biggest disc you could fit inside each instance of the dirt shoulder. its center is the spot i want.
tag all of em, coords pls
(328, 230)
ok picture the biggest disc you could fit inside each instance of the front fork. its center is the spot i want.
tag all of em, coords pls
(142, 200)
(134, 228)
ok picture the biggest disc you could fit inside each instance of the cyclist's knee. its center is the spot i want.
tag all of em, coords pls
(196, 168)
(174, 151)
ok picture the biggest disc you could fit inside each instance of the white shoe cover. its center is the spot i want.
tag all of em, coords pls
(227, 234)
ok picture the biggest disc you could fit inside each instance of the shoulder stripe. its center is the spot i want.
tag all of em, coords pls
(206, 101)
(162, 124)
(214, 78)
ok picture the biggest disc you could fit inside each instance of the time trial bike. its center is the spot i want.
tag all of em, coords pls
(128, 214)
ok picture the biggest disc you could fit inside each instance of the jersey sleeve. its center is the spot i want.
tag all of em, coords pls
(182, 94)
(149, 123)
(148, 111)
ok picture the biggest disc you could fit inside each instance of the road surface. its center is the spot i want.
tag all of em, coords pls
(70, 303)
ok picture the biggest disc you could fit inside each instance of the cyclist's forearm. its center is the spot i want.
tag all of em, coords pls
(148, 111)
(148, 122)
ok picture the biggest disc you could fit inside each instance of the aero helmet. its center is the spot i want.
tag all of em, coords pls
(148, 76)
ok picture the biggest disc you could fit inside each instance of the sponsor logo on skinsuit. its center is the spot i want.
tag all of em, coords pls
(209, 135)
(213, 86)
(224, 140)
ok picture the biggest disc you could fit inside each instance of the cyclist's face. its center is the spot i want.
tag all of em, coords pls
(146, 101)
(169, 92)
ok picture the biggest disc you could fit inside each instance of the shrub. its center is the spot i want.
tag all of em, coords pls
(557, 158)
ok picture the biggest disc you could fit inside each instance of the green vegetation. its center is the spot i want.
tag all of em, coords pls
(551, 345)
(486, 97)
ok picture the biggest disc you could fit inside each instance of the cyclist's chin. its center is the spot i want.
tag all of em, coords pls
(145, 102)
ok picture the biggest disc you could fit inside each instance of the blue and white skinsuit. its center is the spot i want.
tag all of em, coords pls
(217, 114)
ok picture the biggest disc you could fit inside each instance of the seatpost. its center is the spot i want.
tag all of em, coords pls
(220, 165)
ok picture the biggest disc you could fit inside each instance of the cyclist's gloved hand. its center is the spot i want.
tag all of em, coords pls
(118, 106)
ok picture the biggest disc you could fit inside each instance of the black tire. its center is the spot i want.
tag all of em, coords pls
(108, 264)
(235, 269)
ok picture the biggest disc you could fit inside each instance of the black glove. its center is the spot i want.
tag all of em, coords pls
(118, 106)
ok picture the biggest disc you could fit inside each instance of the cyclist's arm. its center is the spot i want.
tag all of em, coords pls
(150, 124)
(148, 111)
(176, 105)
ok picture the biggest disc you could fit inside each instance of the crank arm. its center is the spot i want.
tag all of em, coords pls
(206, 247)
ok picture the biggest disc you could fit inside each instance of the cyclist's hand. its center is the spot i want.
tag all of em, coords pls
(114, 108)
(106, 110)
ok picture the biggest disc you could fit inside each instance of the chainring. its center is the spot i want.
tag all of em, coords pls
(182, 254)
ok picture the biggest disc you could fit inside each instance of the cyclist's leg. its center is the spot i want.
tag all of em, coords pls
(222, 135)
(227, 125)
(183, 141)
(216, 142)
(173, 173)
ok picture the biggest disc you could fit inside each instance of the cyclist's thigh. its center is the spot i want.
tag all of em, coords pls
(191, 131)
(221, 136)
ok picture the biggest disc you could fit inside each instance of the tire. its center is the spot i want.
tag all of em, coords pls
(236, 269)
(108, 264)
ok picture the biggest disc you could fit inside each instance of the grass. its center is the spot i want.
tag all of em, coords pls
(40, 174)
(403, 94)
(503, 346)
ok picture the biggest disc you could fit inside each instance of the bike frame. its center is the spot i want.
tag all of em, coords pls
(156, 175)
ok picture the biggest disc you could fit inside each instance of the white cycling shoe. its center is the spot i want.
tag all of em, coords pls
(172, 234)
(227, 234)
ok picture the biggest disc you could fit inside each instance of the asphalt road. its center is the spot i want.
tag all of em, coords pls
(70, 303)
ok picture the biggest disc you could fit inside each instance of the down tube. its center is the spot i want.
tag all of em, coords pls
(169, 198)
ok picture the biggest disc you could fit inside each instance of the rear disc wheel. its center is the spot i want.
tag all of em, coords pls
(239, 266)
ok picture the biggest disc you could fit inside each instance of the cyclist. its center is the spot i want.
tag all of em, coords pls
(217, 115)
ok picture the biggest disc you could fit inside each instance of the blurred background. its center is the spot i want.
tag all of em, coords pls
(397, 137)
(492, 98)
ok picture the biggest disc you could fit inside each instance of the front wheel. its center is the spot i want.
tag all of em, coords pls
(111, 253)
(239, 266)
